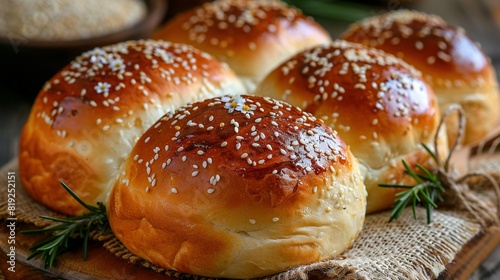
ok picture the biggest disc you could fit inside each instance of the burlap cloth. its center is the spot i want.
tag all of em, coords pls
(403, 249)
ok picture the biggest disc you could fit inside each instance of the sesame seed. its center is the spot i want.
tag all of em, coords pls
(275, 219)
(223, 144)
(173, 190)
(269, 147)
(252, 221)
(195, 173)
(431, 60)
(244, 155)
(419, 45)
(184, 158)
(210, 190)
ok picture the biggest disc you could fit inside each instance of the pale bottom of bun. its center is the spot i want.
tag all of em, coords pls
(196, 238)
(481, 106)
(382, 198)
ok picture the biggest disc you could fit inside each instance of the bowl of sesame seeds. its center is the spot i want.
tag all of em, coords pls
(37, 38)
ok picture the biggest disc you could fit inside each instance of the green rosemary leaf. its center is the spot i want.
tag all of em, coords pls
(415, 200)
(426, 192)
(427, 198)
(69, 231)
(411, 173)
(395, 186)
(77, 198)
(431, 153)
(427, 174)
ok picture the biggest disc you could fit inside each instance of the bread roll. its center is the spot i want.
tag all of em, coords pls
(454, 65)
(87, 118)
(378, 104)
(238, 187)
(252, 36)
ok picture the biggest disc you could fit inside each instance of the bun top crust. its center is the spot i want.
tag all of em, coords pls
(238, 187)
(257, 139)
(252, 36)
(444, 53)
(374, 100)
(103, 78)
(86, 119)
(451, 62)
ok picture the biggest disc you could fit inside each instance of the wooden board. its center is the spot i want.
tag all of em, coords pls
(100, 264)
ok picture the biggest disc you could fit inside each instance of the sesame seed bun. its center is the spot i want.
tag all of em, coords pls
(238, 187)
(451, 63)
(251, 36)
(86, 119)
(378, 104)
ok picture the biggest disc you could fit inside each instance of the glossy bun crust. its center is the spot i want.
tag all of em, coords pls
(252, 36)
(378, 104)
(238, 187)
(449, 60)
(87, 118)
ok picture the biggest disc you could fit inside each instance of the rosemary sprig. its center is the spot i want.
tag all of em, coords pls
(68, 231)
(431, 184)
(426, 192)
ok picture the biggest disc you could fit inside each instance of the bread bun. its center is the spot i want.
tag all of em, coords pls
(454, 65)
(238, 187)
(87, 118)
(251, 36)
(378, 104)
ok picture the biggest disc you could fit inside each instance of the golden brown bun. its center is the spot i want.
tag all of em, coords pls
(238, 188)
(450, 61)
(87, 118)
(377, 103)
(252, 36)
